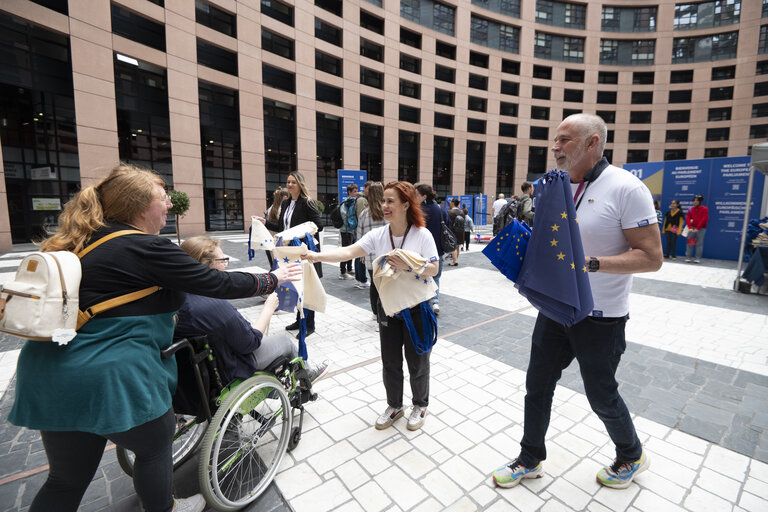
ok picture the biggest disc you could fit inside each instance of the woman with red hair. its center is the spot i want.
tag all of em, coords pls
(405, 230)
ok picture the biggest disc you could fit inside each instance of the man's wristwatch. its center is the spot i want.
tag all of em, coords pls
(594, 264)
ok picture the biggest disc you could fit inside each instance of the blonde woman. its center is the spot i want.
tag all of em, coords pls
(109, 382)
(241, 347)
(297, 209)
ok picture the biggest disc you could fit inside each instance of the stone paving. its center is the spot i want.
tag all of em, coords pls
(695, 375)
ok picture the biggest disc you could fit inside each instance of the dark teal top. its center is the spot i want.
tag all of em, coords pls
(109, 378)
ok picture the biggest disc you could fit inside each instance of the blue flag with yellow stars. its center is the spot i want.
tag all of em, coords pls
(554, 275)
(507, 250)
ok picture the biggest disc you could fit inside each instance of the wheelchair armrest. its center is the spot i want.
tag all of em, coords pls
(190, 343)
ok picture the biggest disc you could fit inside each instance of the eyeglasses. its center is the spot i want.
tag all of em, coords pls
(223, 260)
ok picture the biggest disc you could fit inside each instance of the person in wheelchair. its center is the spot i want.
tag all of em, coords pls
(241, 347)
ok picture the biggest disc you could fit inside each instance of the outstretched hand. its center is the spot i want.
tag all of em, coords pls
(291, 272)
(260, 219)
(311, 256)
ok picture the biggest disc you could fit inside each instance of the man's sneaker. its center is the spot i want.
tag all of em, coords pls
(344, 276)
(318, 371)
(436, 308)
(292, 327)
(194, 503)
(620, 474)
(362, 286)
(417, 417)
(514, 473)
(388, 417)
(688, 260)
(697, 261)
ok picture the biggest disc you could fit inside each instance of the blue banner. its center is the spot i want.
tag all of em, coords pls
(348, 177)
(481, 209)
(468, 202)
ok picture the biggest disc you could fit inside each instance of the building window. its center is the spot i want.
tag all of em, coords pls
(473, 180)
(443, 18)
(721, 93)
(327, 32)
(443, 121)
(494, 35)
(508, 109)
(371, 150)
(674, 154)
(138, 28)
(609, 51)
(332, 6)
(762, 43)
(478, 30)
(371, 50)
(610, 19)
(329, 94)
(408, 156)
(478, 59)
(442, 165)
(704, 48)
(279, 142)
(637, 155)
(445, 50)
(684, 76)
(643, 52)
(761, 89)
(758, 131)
(544, 11)
(724, 73)
(410, 38)
(761, 68)
(505, 169)
(574, 75)
(221, 157)
(276, 44)
(510, 88)
(445, 74)
(279, 11)
(540, 92)
(717, 134)
(409, 114)
(607, 77)
(278, 78)
(573, 95)
(642, 78)
(371, 78)
(639, 136)
(609, 116)
(606, 97)
(642, 97)
(215, 18)
(507, 130)
(541, 113)
(640, 117)
(539, 133)
(477, 104)
(573, 49)
(644, 19)
(330, 136)
(478, 82)
(510, 66)
(575, 15)
(677, 136)
(325, 62)
(721, 114)
(715, 152)
(508, 7)
(542, 45)
(410, 89)
(409, 63)
(758, 110)
(680, 96)
(570, 111)
(371, 22)
(440, 17)
(443, 97)
(537, 160)
(475, 125)
(216, 58)
(371, 105)
(678, 116)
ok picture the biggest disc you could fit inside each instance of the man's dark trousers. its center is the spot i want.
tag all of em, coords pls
(597, 344)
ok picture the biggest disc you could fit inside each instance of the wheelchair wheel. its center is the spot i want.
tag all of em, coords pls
(188, 436)
(245, 443)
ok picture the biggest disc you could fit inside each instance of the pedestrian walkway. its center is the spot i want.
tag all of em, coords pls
(695, 375)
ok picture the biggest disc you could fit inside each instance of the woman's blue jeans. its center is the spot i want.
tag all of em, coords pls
(597, 344)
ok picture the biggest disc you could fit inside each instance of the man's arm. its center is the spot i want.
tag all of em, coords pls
(645, 255)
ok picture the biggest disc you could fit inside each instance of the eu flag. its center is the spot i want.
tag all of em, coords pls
(554, 275)
(507, 250)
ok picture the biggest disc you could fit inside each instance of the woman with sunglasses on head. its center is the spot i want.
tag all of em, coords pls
(297, 209)
(401, 208)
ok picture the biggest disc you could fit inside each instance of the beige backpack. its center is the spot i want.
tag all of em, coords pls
(42, 302)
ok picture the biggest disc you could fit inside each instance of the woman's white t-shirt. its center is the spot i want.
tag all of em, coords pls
(418, 240)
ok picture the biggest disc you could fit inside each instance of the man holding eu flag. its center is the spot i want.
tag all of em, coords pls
(617, 223)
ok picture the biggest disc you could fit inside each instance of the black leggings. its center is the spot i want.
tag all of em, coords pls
(467, 239)
(74, 458)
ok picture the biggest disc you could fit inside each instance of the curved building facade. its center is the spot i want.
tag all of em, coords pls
(225, 97)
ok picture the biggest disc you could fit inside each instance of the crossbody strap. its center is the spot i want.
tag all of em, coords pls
(84, 316)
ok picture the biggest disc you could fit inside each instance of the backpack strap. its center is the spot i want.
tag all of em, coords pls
(84, 316)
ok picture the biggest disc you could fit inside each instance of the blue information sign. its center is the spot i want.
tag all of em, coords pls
(347, 177)
(481, 209)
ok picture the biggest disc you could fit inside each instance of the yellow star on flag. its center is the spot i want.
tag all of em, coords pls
(573, 266)
(561, 256)
(553, 242)
(584, 268)
(563, 215)
(555, 227)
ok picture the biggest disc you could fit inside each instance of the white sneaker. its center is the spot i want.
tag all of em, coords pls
(195, 503)
(388, 417)
(697, 261)
(417, 417)
(319, 371)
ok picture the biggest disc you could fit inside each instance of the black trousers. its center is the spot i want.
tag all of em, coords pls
(395, 340)
(74, 458)
(374, 293)
(671, 244)
(345, 267)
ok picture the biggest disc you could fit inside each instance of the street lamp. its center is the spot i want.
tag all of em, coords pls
(759, 163)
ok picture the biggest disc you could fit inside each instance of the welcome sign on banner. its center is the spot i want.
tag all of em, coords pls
(722, 182)
(347, 177)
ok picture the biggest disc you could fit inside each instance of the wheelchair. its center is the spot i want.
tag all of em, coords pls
(244, 428)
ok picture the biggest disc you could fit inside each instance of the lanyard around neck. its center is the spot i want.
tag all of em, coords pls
(580, 191)
(392, 240)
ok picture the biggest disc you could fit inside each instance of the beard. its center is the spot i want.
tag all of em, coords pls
(570, 160)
